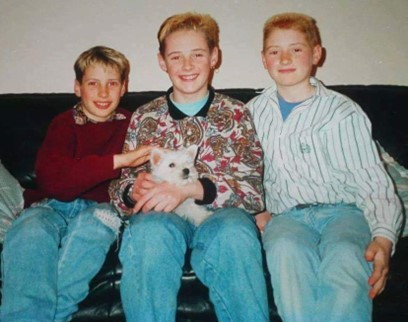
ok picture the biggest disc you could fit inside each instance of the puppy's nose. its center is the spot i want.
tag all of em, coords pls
(186, 172)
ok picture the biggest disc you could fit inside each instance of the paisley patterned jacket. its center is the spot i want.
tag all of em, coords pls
(229, 154)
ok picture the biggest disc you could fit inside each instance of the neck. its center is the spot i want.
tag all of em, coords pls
(293, 94)
(183, 98)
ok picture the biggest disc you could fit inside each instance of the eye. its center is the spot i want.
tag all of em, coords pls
(92, 83)
(113, 83)
(172, 165)
(175, 58)
(297, 50)
(273, 52)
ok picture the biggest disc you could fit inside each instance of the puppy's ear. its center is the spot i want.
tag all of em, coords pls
(192, 151)
(155, 156)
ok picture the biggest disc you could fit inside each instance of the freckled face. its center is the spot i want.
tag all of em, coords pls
(100, 91)
(188, 61)
(289, 58)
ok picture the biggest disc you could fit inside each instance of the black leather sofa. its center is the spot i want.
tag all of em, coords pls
(23, 123)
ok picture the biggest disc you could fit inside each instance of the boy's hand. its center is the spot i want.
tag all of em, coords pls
(132, 158)
(143, 183)
(262, 219)
(159, 197)
(378, 252)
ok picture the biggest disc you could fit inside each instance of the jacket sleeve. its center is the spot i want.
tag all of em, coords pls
(235, 155)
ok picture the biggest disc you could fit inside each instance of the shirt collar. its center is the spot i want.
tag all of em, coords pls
(176, 114)
(320, 89)
(81, 119)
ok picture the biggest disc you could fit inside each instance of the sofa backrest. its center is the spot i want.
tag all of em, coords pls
(25, 118)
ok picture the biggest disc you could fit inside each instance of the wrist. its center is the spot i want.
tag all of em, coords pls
(127, 196)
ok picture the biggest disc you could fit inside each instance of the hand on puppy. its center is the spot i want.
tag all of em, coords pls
(132, 158)
(150, 195)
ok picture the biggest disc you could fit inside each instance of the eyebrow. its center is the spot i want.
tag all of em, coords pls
(193, 50)
(290, 45)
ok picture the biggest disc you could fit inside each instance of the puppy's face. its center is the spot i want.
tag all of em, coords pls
(175, 167)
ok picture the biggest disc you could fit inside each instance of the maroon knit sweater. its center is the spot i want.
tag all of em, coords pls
(76, 161)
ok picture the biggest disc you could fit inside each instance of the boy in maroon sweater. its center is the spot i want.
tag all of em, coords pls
(56, 246)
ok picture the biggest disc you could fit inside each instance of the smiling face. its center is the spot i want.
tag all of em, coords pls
(100, 90)
(188, 61)
(289, 59)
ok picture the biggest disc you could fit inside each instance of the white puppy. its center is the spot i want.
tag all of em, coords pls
(177, 167)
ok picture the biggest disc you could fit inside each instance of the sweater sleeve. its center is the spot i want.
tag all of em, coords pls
(63, 175)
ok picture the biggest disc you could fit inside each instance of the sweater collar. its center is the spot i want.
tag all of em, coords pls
(176, 114)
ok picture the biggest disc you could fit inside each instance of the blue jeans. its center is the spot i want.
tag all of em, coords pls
(50, 254)
(316, 260)
(226, 257)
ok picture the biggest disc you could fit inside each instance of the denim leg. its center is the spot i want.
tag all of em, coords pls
(152, 255)
(343, 276)
(226, 256)
(316, 260)
(291, 249)
(83, 251)
(29, 266)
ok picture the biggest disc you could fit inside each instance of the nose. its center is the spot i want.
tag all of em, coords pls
(187, 63)
(103, 91)
(186, 172)
(286, 58)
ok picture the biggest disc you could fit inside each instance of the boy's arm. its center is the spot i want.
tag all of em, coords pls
(120, 189)
(354, 157)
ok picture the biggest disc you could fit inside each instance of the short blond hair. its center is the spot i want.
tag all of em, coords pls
(105, 56)
(189, 21)
(296, 21)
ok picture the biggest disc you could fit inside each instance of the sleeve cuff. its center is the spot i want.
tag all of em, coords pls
(127, 200)
(210, 192)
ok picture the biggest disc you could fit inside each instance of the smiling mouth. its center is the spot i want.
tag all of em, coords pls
(102, 105)
(188, 77)
(286, 71)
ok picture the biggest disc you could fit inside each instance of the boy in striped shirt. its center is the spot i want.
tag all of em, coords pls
(335, 217)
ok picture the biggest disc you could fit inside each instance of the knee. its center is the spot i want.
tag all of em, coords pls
(155, 232)
(234, 229)
(153, 240)
(32, 225)
(285, 247)
(32, 231)
(345, 253)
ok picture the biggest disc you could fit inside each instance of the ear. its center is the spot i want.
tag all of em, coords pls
(124, 88)
(264, 60)
(77, 88)
(317, 54)
(162, 62)
(214, 57)
(155, 156)
(192, 151)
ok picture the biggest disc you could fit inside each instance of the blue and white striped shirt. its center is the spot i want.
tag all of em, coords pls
(324, 153)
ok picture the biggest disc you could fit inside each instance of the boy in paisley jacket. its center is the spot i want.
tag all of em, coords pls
(226, 253)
